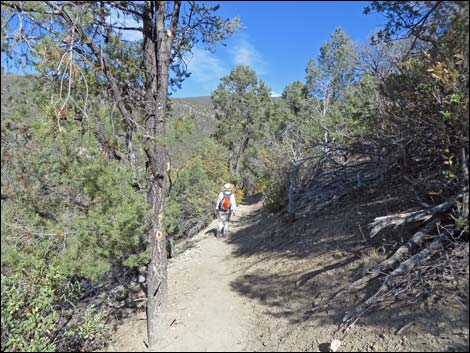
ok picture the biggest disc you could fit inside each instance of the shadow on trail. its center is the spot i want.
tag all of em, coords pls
(288, 265)
(293, 267)
(212, 231)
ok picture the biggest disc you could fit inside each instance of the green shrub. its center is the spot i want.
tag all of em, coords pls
(191, 200)
(109, 233)
(28, 315)
(239, 194)
(274, 192)
(93, 326)
(73, 214)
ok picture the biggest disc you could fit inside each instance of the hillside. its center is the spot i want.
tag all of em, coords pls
(200, 109)
(203, 100)
(17, 91)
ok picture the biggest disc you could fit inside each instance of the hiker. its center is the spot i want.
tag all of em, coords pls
(225, 207)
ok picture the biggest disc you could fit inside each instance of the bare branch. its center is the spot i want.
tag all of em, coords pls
(381, 223)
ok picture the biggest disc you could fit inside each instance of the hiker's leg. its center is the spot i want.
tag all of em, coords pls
(220, 225)
(226, 227)
(229, 214)
(223, 219)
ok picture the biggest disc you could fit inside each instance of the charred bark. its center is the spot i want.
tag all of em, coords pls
(157, 56)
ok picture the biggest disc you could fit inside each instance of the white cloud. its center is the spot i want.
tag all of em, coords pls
(206, 68)
(245, 53)
(275, 94)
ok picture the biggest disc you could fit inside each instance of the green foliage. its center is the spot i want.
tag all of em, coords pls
(460, 219)
(334, 71)
(89, 200)
(273, 181)
(359, 108)
(242, 106)
(93, 326)
(192, 197)
(328, 80)
(239, 195)
(424, 106)
(294, 119)
(28, 295)
(424, 19)
(306, 115)
(109, 234)
(274, 193)
(48, 50)
(198, 170)
(236, 179)
(71, 213)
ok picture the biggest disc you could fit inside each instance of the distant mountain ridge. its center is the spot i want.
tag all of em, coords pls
(200, 109)
(198, 99)
(18, 88)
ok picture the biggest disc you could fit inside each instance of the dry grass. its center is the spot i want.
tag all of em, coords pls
(371, 258)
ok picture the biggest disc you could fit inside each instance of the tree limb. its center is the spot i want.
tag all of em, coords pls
(381, 223)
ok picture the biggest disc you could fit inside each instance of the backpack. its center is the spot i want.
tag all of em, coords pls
(225, 203)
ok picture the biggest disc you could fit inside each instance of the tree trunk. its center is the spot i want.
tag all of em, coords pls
(157, 52)
(241, 150)
(157, 291)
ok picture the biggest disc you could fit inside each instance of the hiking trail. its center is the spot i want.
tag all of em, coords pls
(255, 290)
(205, 313)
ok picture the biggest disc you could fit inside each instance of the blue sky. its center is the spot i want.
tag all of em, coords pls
(279, 39)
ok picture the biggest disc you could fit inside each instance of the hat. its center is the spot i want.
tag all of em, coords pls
(228, 186)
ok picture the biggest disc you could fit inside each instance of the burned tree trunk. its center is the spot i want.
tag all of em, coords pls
(157, 54)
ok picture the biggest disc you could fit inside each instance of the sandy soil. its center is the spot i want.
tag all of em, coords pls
(206, 313)
(255, 290)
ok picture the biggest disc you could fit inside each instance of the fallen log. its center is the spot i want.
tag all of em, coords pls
(388, 284)
(415, 242)
(383, 222)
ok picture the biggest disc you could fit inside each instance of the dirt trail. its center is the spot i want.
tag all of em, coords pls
(257, 289)
(205, 313)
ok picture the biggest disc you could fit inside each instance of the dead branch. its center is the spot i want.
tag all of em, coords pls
(384, 291)
(405, 327)
(465, 184)
(415, 242)
(383, 222)
(334, 175)
(403, 251)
